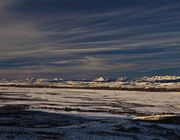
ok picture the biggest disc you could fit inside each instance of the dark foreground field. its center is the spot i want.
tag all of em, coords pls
(78, 114)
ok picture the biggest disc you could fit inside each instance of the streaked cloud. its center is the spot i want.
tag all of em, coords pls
(88, 38)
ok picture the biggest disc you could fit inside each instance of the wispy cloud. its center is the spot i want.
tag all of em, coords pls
(60, 37)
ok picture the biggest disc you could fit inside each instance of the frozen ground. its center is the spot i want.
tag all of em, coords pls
(79, 114)
(109, 85)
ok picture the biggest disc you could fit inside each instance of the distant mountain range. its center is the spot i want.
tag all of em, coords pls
(154, 83)
(162, 79)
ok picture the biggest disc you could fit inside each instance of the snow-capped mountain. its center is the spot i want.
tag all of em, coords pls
(161, 79)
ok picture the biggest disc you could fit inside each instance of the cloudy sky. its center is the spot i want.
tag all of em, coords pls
(77, 39)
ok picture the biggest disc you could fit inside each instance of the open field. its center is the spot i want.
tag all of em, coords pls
(130, 86)
(81, 114)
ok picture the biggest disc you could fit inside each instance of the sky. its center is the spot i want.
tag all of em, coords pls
(82, 39)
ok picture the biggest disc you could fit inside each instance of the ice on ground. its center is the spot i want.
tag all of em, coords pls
(80, 114)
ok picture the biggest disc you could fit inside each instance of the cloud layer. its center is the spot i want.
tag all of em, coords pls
(83, 39)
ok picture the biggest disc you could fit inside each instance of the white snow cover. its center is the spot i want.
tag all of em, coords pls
(80, 114)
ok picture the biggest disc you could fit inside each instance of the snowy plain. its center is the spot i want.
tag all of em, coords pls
(81, 114)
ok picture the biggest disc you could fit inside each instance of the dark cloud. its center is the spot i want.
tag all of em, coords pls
(85, 38)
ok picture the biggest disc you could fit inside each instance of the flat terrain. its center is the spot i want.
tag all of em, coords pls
(80, 114)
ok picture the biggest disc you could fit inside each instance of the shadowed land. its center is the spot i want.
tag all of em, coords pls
(70, 114)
